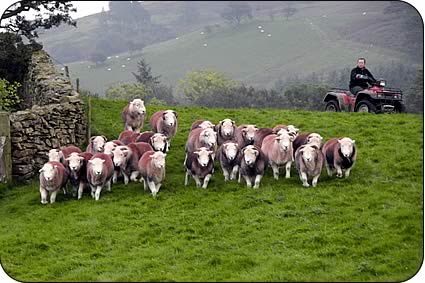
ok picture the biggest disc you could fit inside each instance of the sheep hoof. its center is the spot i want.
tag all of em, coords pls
(44, 202)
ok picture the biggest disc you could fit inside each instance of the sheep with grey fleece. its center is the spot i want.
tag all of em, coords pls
(309, 161)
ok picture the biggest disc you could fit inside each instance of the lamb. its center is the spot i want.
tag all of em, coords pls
(261, 134)
(279, 152)
(164, 122)
(307, 138)
(203, 124)
(99, 173)
(253, 164)
(134, 115)
(53, 177)
(77, 164)
(127, 157)
(228, 154)
(226, 131)
(200, 165)
(340, 155)
(245, 135)
(309, 161)
(152, 170)
(96, 144)
(128, 136)
(159, 142)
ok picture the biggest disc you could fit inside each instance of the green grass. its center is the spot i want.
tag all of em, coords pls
(364, 228)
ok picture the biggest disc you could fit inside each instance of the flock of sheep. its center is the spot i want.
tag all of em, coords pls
(242, 151)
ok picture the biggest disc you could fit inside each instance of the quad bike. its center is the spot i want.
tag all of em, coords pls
(375, 99)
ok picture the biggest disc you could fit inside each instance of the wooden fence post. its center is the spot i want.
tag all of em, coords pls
(89, 120)
(77, 82)
(67, 71)
(5, 148)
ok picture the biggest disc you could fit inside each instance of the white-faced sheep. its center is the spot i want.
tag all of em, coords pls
(253, 164)
(307, 138)
(53, 177)
(164, 122)
(279, 152)
(152, 170)
(134, 115)
(229, 157)
(99, 173)
(159, 142)
(77, 165)
(245, 135)
(200, 165)
(96, 144)
(226, 131)
(340, 156)
(309, 161)
(203, 124)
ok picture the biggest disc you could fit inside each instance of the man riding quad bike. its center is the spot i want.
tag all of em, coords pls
(366, 94)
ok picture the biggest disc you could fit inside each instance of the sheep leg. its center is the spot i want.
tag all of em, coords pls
(97, 193)
(338, 171)
(125, 178)
(158, 186)
(185, 158)
(108, 185)
(226, 174)
(115, 177)
(315, 179)
(186, 178)
(248, 181)
(275, 170)
(303, 177)
(198, 182)
(234, 172)
(53, 196)
(152, 187)
(347, 172)
(93, 190)
(134, 176)
(258, 180)
(329, 170)
(43, 194)
(288, 170)
(80, 190)
(239, 178)
(206, 180)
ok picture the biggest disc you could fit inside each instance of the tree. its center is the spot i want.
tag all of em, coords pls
(144, 74)
(128, 92)
(236, 11)
(48, 14)
(198, 84)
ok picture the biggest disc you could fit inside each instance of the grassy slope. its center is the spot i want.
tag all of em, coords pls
(365, 228)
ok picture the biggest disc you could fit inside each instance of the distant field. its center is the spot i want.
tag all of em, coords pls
(364, 228)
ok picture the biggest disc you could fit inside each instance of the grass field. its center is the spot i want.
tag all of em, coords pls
(364, 228)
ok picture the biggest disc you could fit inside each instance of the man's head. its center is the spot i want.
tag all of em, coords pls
(361, 63)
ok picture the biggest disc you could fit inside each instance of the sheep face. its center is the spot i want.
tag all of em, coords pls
(159, 142)
(109, 148)
(203, 156)
(307, 153)
(209, 137)
(98, 143)
(206, 124)
(169, 118)
(48, 171)
(284, 140)
(250, 155)
(231, 150)
(315, 139)
(249, 132)
(137, 106)
(54, 155)
(292, 130)
(75, 161)
(97, 165)
(120, 155)
(227, 127)
(158, 159)
(347, 146)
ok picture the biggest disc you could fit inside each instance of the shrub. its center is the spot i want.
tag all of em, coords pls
(9, 98)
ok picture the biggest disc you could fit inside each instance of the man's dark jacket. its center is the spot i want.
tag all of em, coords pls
(357, 81)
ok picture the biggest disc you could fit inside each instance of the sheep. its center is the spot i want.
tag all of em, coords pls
(307, 138)
(226, 131)
(291, 129)
(53, 177)
(203, 124)
(60, 155)
(127, 157)
(245, 135)
(152, 170)
(134, 115)
(309, 161)
(96, 144)
(260, 135)
(164, 122)
(77, 165)
(253, 164)
(228, 154)
(128, 136)
(279, 152)
(201, 138)
(55, 155)
(340, 155)
(99, 173)
(200, 165)
(108, 149)
(159, 142)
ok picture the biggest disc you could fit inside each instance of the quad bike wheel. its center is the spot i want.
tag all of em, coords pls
(365, 106)
(332, 106)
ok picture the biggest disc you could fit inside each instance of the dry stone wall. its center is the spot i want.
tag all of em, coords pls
(56, 118)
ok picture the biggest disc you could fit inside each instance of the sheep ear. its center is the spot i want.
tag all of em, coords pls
(339, 141)
(104, 138)
(233, 122)
(151, 156)
(55, 166)
(41, 170)
(175, 113)
(103, 160)
(354, 141)
(91, 161)
(256, 152)
(92, 138)
(210, 152)
(291, 138)
(69, 158)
